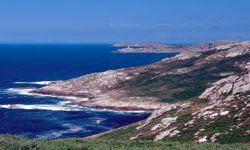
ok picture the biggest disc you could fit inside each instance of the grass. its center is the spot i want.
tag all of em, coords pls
(235, 136)
(122, 134)
(9, 142)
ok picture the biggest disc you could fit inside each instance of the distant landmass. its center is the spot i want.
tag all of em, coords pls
(147, 47)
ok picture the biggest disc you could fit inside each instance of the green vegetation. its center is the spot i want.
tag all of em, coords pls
(235, 136)
(8, 142)
(180, 87)
(121, 134)
(220, 125)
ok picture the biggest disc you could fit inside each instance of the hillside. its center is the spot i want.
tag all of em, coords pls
(217, 91)
(197, 96)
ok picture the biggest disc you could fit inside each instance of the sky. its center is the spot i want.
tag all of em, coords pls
(109, 21)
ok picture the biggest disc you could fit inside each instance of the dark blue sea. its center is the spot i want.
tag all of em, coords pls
(44, 117)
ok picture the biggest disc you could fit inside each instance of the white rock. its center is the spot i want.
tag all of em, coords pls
(189, 122)
(187, 55)
(203, 139)
(213, 115)
(168, 120)
(164, 134)
(156, 127)
(213, 138)
(223, 113)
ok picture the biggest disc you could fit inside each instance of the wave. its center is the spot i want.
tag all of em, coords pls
(41, 107)
(98, 120)
(21, 91)
(37, 82)
(57, 134)
(65, 103)
(28, 92)
(119, 111)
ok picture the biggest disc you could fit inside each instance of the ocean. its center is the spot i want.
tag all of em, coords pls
(46, 117)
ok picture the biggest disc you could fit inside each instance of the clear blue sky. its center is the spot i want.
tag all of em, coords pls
(107, 21)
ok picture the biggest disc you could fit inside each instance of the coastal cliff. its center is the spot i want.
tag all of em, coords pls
(199, 95)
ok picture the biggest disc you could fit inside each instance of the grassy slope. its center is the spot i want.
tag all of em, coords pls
(180, 87)
(219, 125)
(8, 142)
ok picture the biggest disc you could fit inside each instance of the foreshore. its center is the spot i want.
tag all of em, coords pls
(75, 102)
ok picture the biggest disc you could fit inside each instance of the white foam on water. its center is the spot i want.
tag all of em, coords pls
(57, 134)
(28, 92)
(117, 111)
(40, 107)
(37, 82)
(21, 91)
(98, 120)
(66, 101)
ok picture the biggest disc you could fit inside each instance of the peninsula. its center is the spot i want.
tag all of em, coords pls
(146, 47)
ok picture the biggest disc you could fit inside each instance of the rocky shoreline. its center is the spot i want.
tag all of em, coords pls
(106, 102)
(103, 90)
